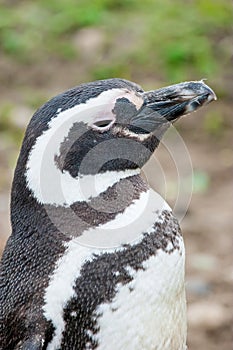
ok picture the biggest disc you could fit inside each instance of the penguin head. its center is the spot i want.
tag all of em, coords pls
(107, 128)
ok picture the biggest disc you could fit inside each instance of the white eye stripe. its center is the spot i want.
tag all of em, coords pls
(104, 121)
(43, 177)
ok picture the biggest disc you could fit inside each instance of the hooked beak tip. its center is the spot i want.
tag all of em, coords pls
(211, 94)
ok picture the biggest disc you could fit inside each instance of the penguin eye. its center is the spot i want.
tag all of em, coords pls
(103, 125)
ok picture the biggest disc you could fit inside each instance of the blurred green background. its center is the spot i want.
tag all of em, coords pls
(48, 46)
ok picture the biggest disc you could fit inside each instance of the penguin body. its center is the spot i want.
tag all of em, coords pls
(96, 258)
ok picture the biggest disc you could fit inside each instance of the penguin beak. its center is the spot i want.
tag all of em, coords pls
(170, 103)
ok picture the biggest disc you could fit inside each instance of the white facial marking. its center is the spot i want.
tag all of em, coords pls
(136, 99)
(47, 183)
(61, 286)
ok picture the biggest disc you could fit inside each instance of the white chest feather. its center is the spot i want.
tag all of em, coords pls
(150, 312)
(147, 313)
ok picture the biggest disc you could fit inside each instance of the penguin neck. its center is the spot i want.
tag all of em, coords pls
(112, 194)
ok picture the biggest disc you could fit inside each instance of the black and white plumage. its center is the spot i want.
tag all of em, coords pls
(96, 258)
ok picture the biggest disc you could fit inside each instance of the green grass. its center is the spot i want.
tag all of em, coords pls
(175, 37)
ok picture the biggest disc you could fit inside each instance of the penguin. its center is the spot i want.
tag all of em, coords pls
(96, 257)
